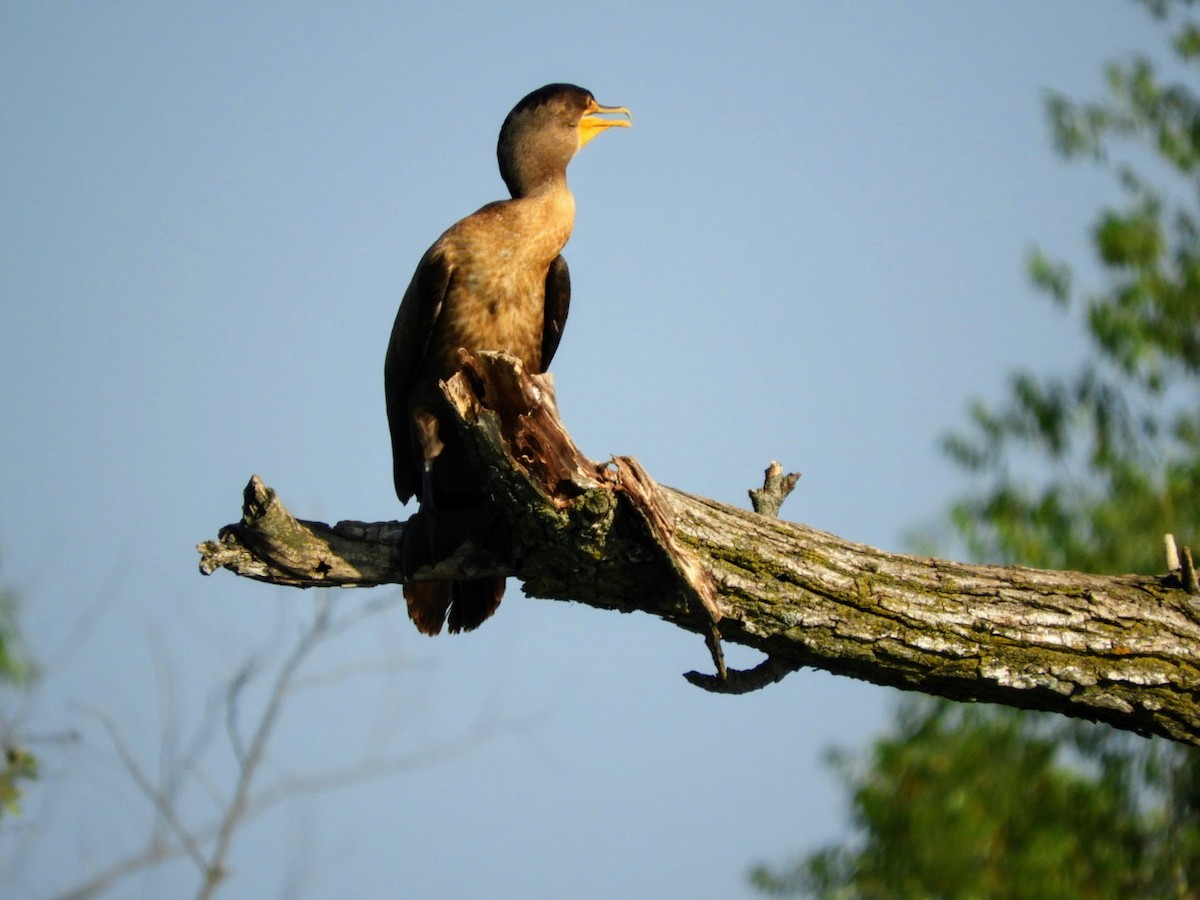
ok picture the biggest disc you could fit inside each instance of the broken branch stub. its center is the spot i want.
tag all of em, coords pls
(520, 439)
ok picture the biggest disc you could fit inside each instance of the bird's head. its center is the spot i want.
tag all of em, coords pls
(545, 130)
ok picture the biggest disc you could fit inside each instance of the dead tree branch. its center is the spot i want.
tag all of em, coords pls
(1123, 650)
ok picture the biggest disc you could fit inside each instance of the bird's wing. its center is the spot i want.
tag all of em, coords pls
(407, 349)
(558, 300)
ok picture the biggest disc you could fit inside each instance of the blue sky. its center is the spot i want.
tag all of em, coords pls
(809, 247)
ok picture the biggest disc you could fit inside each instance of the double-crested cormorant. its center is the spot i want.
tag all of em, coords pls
(493, 281)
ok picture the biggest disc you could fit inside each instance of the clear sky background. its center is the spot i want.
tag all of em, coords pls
(809, 247)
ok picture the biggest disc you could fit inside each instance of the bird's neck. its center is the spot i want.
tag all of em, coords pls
(543, 184)
(549, 213)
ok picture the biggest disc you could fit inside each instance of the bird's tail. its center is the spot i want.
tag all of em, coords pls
(462, 605)
(432, 534)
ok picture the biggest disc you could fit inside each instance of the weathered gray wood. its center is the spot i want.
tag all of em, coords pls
(1124, 650)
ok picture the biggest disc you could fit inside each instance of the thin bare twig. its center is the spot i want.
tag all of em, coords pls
(215, 871)
(233, 691)
(161, 849)
(162, 803)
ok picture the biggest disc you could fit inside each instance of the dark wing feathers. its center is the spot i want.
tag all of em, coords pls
(406, 352)
(558, 300)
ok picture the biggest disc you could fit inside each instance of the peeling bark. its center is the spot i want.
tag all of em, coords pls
(1123, 650)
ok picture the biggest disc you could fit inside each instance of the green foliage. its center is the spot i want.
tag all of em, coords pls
(1085, 472)
(15, 666)
(963, 803)
(1119, 438)
(16, 671)
(19, 765)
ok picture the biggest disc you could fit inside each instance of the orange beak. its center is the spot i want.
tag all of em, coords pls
(593, 121)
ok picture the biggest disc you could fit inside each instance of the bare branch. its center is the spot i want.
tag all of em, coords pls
(233, 692)
(162, 803)
(776, 488)
(245, 805)
(1124, 650)
(1187, 573)
(252, 755)
(766, 502)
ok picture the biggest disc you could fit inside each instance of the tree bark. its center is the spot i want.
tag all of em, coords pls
(1123, 650)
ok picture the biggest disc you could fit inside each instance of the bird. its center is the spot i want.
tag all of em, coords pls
(495, 280)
